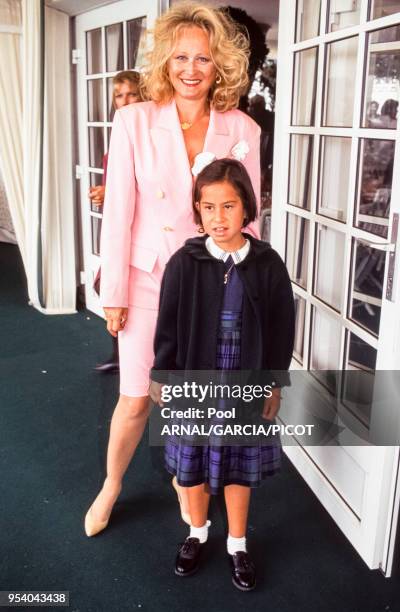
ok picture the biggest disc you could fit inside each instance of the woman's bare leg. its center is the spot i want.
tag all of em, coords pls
(127, 426)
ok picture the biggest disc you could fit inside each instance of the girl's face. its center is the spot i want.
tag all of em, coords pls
(190, 68)
(125, 93)
(222, 215)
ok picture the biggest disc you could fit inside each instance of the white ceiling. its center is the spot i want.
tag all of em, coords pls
(263, 11)
(76, 7)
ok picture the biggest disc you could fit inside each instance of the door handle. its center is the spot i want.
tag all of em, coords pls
(388, 247)
(392, 258)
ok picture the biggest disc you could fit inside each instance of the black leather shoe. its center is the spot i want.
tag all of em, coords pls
(108, 367)
(243, 571)
(112, 364)
(187, 559)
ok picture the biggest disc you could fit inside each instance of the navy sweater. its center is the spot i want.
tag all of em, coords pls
(191, 297)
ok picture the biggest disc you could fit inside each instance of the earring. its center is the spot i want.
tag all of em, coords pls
(218, 80)
(200, 229)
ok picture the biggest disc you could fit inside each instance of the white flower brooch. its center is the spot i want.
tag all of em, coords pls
(201, 161)
(239, 152)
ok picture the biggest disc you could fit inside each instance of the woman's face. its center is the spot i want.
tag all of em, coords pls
(190, 68)
(125, 93)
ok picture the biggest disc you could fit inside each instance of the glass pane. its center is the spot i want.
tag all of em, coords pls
(381, 8)
(115, 47)
(96, 147)
(95, 180)
(93, 52)
(95, 100)
(297, 249)
(334, 177)
(305, 78)
(300, 313)
(358, 390)
(108, 137)
(382, 94)
(361, 354)
(325, 347)
(110, 107)
(300, 170)
(96, 232)
(265, 224)
(375, 188)
(343, 13)
(307, 21)
(368, 270)
(136, 41)
(339, 90)
(328, 285)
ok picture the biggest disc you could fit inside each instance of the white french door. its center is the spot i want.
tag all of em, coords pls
(336, 205)
(108, 39)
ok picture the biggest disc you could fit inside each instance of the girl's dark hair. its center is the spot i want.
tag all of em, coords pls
(233, 172)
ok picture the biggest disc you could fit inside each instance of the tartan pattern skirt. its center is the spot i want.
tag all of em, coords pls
(219, 466)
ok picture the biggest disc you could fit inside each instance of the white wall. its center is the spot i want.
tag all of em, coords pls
(7, 233)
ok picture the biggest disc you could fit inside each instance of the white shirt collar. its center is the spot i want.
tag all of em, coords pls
(219, 253)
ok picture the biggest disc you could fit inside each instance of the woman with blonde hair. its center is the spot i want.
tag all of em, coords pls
(196, 74)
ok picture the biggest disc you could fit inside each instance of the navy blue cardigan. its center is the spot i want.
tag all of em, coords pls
(190, 301)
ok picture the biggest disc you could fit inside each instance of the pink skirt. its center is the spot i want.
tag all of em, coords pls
(136, 353)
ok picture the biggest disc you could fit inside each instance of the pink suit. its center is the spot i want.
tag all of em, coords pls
(148, 215)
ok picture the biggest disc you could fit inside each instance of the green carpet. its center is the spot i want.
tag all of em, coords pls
(54, 422)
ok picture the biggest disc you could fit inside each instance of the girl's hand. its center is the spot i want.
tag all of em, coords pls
(272, 405)
(116, 319)
(155, 389)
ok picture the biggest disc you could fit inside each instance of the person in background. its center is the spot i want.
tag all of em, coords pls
(373, 118)
(389, 113)
(125, 91)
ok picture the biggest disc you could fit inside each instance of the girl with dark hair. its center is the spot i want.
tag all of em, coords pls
(237, 285)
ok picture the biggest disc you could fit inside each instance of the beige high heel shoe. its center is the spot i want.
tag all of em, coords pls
(92, 526)
(185, 515)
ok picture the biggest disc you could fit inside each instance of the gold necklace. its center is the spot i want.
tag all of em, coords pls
(185, 125)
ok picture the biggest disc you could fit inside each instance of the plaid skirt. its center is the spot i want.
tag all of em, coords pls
(219, 466)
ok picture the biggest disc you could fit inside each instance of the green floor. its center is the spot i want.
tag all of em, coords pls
(53, 431)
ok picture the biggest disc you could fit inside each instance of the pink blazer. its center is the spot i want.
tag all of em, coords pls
(148, 201)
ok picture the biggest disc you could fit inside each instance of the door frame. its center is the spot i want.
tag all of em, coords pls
(374, 536)
(116, 12)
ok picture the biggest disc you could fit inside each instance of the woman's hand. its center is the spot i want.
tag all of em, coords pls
(116, 319)
(272, 405)
(155, 389)
(96, 194)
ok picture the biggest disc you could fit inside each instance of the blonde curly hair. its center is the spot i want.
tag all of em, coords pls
(229, 50)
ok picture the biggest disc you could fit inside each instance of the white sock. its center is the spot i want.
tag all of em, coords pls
(201, 533)
(235, 545)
